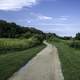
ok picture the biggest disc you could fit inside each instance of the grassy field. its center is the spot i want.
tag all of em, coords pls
(14, 53)
(70, 60)
(11, 62)
(7, 45)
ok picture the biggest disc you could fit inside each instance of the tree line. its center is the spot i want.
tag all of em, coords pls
(12, 30)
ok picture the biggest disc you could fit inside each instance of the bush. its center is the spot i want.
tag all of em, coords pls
(77, 36)
(38, 38)
(75, 44)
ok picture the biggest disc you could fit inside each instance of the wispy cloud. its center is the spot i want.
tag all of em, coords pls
(62, 18)
(16, 4)
(42, 17)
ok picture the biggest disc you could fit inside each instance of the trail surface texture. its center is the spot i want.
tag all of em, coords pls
(44, 66)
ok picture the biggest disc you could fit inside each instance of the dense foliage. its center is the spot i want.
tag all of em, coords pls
(75, 44)
(77, 36)
(76, 41)
(12, 30)
(14, 37)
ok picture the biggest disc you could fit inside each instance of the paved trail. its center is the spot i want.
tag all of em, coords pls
(45, 66)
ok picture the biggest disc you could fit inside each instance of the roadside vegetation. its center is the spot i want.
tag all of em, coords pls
(17, 46)
(14, 44)
(69, 53)
(76, 42)
(10, 45)
(11, 62)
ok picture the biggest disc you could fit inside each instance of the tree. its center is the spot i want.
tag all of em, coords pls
(12, 30)
(77, 36)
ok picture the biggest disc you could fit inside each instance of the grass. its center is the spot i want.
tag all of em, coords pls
(11, 62)
(70, 60)
(7, 45)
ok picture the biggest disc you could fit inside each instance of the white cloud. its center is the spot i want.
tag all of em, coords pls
(29, 21)
(16, 4)
(62, 18)
(41, 17)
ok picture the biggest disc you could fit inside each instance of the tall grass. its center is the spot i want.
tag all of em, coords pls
(16, 44)
(19, 52)
(70, 60)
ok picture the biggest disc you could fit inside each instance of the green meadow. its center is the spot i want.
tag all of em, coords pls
(69, 57)
(14, 54)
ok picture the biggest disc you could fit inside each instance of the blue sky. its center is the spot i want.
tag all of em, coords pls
(58, 16)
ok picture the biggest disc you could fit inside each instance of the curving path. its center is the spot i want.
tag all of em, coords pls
(45, 66)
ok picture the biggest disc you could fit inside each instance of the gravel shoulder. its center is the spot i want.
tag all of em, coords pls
(44, 66)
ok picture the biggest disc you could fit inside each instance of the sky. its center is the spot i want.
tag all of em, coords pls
(57, 16)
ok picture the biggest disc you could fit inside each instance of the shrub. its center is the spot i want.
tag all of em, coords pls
(75, 44)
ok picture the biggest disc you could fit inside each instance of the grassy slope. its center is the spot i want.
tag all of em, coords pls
(11, 62)
(70, 60)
